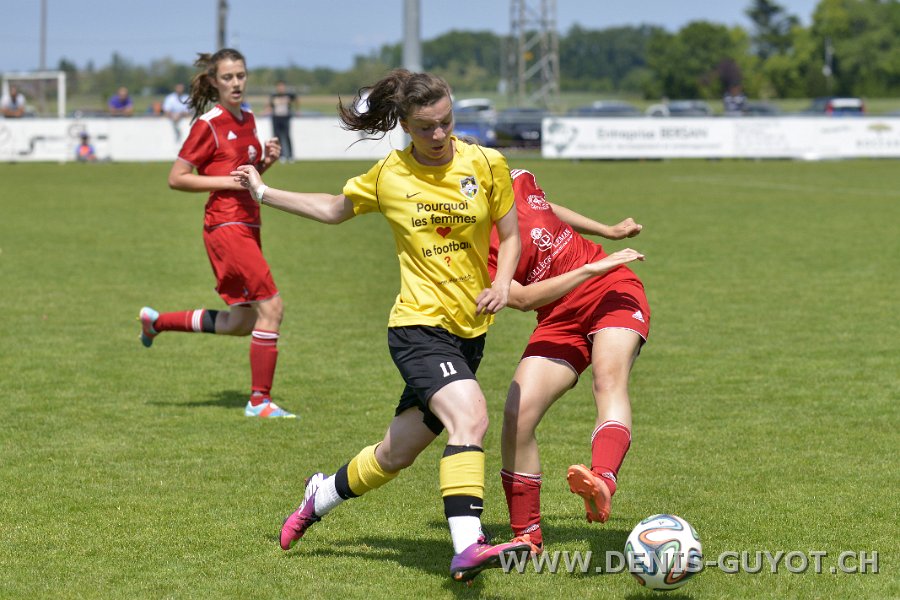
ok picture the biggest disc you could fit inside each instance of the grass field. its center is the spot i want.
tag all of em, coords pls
(765, 405)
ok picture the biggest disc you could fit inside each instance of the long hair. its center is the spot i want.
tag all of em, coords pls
(203, 92)
(377, 109)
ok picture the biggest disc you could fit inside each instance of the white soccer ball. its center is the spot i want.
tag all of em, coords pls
(663, 552)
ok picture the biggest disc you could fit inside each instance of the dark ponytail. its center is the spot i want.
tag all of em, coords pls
(377, 109)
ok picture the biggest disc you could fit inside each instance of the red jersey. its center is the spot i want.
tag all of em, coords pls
(550, 247)
(217, 144)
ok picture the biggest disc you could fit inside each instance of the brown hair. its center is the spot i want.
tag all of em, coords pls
(203, 92)
(391, 98)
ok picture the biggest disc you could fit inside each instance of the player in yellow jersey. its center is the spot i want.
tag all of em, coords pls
(441, 197)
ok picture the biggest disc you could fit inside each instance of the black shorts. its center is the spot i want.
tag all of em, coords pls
(429, 358)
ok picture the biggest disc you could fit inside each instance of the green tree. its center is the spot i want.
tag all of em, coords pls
(689, 64)
(772, 28)
(603, 60)
(863, 35)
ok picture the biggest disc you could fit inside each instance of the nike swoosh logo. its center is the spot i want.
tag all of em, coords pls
(473, 507)
(408, 196)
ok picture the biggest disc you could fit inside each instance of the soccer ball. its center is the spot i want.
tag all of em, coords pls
(663, 552)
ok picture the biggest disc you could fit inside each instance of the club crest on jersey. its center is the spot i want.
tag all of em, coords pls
(538, 203)
(468, 186)
(251, 153)
(542, 238)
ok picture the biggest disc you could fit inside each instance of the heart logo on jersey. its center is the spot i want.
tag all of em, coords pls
(444, 231)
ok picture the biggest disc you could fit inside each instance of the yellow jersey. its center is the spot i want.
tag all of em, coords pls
(441, 218)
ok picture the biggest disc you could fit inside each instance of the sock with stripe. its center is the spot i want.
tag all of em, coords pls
(609, 444)
(263, 357)
(523, 499)
(197, 321)
(462, 488)
(362, 474)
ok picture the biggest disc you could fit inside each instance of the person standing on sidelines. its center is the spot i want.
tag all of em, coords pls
(281, 107)
(591, 310)
(222, 137)
(176, 107)
(441, 197)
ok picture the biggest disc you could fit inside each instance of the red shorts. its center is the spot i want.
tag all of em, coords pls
(242, 273)
(567, 333)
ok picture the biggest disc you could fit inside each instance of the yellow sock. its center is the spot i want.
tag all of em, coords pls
(365, 474)
(462, 474)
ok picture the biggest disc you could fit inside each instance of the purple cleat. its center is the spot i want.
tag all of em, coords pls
(296, 525)
(466, 565)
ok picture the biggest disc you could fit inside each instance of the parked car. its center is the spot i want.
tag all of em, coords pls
(482, 107)
(606, 108)
(477, 127)
(760, 109)
(836, 107)
(519, 127)
(680, 108)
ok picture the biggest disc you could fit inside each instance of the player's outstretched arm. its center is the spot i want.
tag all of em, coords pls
(582, 224)
(541, 293)
(322, 207)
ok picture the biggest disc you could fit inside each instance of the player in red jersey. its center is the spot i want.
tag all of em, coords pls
(591, 310)
(223, 137)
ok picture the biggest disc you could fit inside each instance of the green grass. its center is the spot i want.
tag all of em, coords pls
(765, 404)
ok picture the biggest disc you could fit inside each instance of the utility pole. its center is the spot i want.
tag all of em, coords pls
(222, 23)
(412, 36)
(828, 66)
(42, 66)
(534, 53)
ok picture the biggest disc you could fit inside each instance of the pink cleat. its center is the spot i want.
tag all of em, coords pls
(296, 525)
(466, 565)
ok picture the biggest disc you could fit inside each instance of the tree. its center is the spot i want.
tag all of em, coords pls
(862, 34)
(772, 28)
(687, 64)
(603, 59)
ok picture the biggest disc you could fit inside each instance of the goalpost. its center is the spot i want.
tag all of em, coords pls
(34, 83)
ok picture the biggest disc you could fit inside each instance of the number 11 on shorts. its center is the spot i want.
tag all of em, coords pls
(447, 368)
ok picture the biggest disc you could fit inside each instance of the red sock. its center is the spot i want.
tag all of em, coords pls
(523, 499)
(609, 444)
(263, 356)
(200, 320)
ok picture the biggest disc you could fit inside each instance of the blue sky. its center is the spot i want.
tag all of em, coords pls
(307, 33)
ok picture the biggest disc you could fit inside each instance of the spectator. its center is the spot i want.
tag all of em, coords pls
(734, 101)
(120, 104)
(85, 151)
(13, 103)
(175, 107)
(281, 107)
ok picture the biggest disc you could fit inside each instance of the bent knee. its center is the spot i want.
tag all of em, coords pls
(271, 310)
(396, 461)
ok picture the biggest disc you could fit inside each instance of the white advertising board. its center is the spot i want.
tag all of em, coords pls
(807, 138)
(148, 139)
